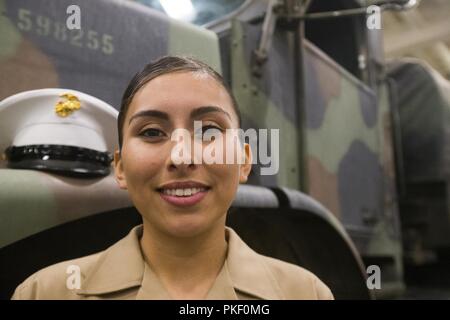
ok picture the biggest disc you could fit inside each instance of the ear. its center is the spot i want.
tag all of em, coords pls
(246, 167)
(118, 170)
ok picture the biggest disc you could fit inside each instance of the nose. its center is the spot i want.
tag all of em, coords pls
(182, 167)
(186, 153)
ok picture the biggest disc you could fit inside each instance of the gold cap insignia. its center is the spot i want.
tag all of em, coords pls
(69, 105)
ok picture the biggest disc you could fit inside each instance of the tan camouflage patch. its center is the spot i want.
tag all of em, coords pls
(330, 82)
(323, 185)
(28, 69)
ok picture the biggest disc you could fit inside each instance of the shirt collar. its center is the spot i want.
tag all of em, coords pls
(119, 267)
(248, 270)
(244, 270)
(153, 289)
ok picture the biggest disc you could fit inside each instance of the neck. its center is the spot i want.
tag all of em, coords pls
(185, 265)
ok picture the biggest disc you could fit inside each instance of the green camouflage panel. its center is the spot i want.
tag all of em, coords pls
(390, 239)
(33, 201)
(350, 166)
(386, 240)
(344, 159)
(267, 102)
(270, 102)
(343, 169)
(350, 162)
(116, 39)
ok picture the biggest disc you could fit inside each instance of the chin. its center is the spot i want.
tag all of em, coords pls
(186, 227)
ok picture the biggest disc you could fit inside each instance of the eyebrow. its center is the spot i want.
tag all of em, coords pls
(164, 116)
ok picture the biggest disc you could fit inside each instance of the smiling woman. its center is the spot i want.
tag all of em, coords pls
(183, 250)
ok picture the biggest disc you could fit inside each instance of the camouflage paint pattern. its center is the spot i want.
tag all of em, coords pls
(267, 102)
(270, 103)
(33, 201)
(351, 168)
(116, 40)
(341, 140)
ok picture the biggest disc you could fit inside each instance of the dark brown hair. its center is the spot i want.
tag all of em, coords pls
(165, 65)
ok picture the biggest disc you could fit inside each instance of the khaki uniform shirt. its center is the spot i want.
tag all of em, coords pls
(120, 272)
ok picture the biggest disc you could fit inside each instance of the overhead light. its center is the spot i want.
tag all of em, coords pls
(179, 9)
(398, 4)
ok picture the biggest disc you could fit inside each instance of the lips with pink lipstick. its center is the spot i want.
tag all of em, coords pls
(183, 193)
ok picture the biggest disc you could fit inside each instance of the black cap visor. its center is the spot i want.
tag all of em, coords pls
(64, 160)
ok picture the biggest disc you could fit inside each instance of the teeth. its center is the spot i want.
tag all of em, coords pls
(182, 192)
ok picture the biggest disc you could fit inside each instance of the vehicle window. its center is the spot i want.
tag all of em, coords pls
(198, 12)
(347, 45)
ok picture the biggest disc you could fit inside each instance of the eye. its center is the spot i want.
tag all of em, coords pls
(152, 133)
(211, 128)
(209, 132)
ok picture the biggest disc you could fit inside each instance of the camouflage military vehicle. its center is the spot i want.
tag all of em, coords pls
(333, 206)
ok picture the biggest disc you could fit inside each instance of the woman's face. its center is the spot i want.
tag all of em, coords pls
(146, 167)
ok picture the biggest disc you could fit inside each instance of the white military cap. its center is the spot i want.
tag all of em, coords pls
(59, 130)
